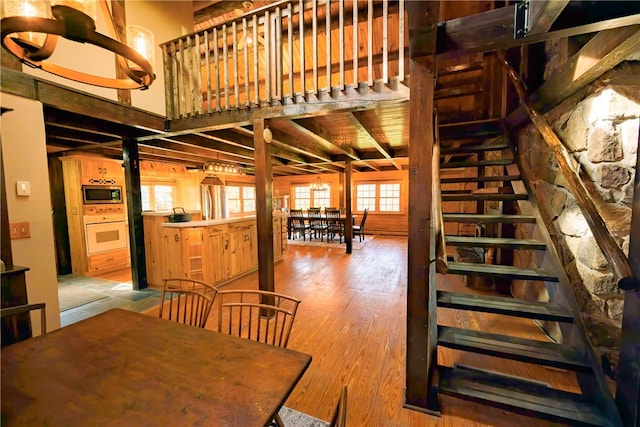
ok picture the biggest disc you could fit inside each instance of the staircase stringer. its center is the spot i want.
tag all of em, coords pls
(593, 385)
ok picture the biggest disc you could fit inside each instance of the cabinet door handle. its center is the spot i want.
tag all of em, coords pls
(176, 237)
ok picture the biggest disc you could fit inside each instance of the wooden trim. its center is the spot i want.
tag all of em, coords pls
(542, 15)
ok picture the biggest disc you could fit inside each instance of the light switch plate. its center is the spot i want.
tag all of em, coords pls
(23, 188)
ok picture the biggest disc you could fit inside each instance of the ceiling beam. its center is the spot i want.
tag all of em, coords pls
(310, 130)
(376, 137)
(542, 14)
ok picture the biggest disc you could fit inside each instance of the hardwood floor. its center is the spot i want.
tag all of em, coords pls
(352, 321)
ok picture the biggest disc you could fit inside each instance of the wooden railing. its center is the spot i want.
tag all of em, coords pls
(436, 206)
(281, 54)
(617, 260)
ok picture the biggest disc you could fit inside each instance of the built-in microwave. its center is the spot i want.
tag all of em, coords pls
(99, 194)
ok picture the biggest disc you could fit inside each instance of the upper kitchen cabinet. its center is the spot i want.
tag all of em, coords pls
(101, 171)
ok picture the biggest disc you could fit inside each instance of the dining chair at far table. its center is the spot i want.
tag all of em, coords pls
(335, 224)
(297, 224)
(16, 322)
(358, 230)
(187, 301)
(317, 224)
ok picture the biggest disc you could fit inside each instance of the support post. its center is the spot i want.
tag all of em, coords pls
(264, 207)
(421, 310)
(131, 160)
(348, 225)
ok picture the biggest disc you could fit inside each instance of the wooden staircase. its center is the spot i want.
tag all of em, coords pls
(489, 211)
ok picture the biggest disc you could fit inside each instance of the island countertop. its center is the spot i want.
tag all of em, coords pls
(209, 222)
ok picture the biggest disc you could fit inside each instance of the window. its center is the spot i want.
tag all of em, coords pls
(240, 199)
(389, 197)
(366, 197)
(380, 197)
(157, 197)
(304, 197)
(301, 197)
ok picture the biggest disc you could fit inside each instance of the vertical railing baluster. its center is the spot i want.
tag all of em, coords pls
(175, 68)
(245, 53)
(314, 39)
(341, 41)
(207, 59)
(370, 43)
(355, 43)
(401, 41)
(385, 41)
(303, 86)
(183, 86)
(225, 66)
(256, 64)
(168, 99)
(290, 48)
(267, 55)
(189, 66)
(278, 52)
(199, 86)
(216, 67)
(234, 41)
(328, 41)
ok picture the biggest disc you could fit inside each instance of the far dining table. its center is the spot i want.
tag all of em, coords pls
(125, 368)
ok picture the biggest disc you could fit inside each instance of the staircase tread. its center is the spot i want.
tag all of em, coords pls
(504, 305)
(475, 148)
(514, 348)
(483, 219)
(480, 179)
(495, 242)
(477, 163)
(520, 396)
(496, 196)
(502, 271)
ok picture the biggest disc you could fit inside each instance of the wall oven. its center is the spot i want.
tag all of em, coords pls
(101, 194)
(106, 233)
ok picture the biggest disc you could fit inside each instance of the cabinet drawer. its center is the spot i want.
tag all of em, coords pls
(108, 260)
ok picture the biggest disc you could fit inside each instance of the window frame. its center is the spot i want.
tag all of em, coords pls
(377, 211)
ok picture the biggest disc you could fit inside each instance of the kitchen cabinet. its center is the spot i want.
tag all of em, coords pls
(107, 261)
(217, 253)
(183, 253)
(244, 250)
(101, 171)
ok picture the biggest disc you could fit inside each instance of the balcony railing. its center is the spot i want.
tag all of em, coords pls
(289, 52)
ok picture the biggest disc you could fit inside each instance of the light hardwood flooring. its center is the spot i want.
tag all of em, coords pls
(352, 320)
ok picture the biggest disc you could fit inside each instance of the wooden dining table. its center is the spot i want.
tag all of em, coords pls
(126, 368)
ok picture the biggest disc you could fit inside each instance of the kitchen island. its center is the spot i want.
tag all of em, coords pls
(215, 251)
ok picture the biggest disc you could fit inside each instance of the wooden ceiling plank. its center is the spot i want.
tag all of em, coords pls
(378, 138)
(542, 15)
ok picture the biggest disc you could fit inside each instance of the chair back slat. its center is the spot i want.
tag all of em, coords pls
(16, 322)
(187, 301)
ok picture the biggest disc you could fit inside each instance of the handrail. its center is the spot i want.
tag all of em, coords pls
(612, 252)
(436, 202)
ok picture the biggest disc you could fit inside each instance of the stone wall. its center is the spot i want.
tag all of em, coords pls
(600, 127)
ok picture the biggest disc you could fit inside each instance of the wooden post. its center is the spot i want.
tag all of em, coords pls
(421, 304)
(628, 376)
(264, 207)
(134, 212)
(348, 226)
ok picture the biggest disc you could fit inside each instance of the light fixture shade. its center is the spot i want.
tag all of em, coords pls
(142, 41)
(88, 7)
(31, 9)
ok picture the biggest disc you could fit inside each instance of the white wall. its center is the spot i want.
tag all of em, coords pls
(166, 19)
(25, 159)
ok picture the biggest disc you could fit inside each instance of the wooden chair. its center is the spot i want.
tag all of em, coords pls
(339, 418)
(335, 226)
(187, 301)
(297, 223)
(257, 315)
(16, 322)
(317, 224)
(358, 230)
